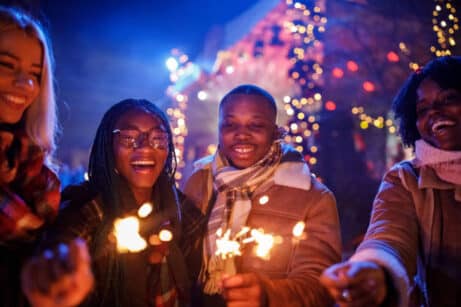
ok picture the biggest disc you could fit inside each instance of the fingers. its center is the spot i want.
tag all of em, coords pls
(355, 284)
(58, 277)
(336, 276)
(243, 290)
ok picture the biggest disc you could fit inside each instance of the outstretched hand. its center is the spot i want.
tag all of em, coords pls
(58, 277)
(243, 290)
(354, 284)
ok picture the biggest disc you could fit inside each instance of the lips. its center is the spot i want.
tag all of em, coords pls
(143, 165)
(17, 101)
(439, 125)
(243, 149)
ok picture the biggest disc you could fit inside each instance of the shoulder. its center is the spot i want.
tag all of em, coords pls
(80, 202)
(197, 177)
(199, 186)
(403, 174)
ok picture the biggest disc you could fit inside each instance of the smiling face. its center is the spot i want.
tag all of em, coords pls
(20, 71)
(142, 165)
(246, 129)
(439, 115)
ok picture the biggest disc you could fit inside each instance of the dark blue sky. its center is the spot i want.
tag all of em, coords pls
(110, 50)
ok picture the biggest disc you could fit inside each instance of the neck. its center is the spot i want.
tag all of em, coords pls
(142, 195)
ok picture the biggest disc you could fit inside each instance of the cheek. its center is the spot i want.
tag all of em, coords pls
(420, 122)
(224, 139)
(162, 158)
(120, 158)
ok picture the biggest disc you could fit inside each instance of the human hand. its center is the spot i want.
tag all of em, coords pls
(354, 284)
(243, 290)
(60, 277)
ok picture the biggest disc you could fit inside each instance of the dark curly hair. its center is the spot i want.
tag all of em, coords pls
(445, 71)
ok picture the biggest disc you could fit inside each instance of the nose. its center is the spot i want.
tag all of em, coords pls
(242, 133)
(142, 141)
(25, 81)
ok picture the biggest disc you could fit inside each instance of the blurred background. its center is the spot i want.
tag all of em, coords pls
(333, 66)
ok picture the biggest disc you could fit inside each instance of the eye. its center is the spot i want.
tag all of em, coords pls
(5, 64)
(452, 98)
(422, 110)
(256, 126)
(227, 125)
(36, 75)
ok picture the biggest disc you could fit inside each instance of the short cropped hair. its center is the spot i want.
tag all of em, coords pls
(250, 89)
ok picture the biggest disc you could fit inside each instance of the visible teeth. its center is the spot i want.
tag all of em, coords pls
(15, 99)
(243, 149)
(442, 123)
(142, 163)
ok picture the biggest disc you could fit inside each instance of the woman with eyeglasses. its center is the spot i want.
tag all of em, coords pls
(132, 163)
(411, 254)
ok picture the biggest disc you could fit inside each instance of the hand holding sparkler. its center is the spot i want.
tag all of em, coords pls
(244, 290)
(59, 277)
(359, 283)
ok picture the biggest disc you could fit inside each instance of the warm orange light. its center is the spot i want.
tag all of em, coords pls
(330, 105)
(368, 86)
(392, 56)
(352, 66)
(337, 72)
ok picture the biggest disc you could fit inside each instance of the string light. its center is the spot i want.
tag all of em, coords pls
(445, 24)
(180, 67)
(378, 122)
(306, 25)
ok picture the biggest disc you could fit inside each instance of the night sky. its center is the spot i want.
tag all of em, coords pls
(110, 50)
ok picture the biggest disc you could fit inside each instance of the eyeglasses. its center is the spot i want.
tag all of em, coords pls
(132, 138)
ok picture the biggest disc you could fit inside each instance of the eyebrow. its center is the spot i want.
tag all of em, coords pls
(133, 127)
(14, 57)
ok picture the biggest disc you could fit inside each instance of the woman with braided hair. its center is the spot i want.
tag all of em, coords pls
(132, 162)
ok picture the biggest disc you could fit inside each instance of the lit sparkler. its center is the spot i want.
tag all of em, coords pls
(126, 232)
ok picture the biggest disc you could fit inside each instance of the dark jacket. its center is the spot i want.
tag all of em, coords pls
(124, 279)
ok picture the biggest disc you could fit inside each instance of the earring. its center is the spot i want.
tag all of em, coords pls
(116, 171)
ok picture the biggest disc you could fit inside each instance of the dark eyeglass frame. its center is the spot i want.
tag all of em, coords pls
(156, 139)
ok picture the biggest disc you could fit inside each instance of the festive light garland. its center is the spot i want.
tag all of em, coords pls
(307, 26)
(180, 67)
(445, 24)
(305, 22)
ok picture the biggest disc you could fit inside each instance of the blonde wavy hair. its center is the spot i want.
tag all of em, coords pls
(40, 118)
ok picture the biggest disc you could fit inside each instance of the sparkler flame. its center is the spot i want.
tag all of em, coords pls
(126, 231)
(298, 229)
(227, 247)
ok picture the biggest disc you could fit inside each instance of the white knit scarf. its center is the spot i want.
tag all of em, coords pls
(445, 163)
(234, 189)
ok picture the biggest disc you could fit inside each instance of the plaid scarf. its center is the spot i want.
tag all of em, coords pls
(234, 189)
(29, 191)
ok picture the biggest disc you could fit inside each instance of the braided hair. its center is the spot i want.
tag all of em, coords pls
(102, 176)
(113, 189)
